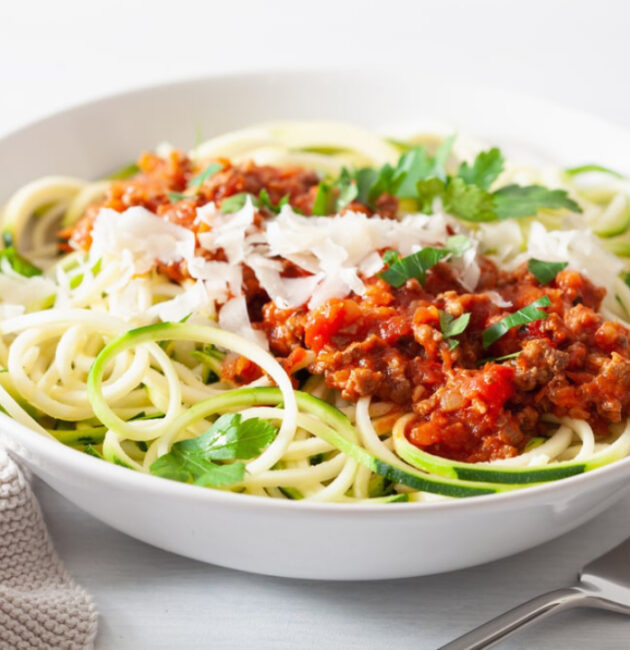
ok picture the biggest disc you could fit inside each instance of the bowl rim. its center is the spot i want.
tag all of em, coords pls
(96, 468)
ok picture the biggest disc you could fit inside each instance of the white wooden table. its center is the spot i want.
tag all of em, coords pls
(54, 54)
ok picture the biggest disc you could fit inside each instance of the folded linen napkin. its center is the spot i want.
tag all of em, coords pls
(41, 607)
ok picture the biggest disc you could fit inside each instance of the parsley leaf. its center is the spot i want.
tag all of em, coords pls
(468, 202)
(400, 269)
(441, 156)
(388, 181)
(202, 177)
(527, 314)
(266, 201)
(228, 438)
(545, 272)
(389, 257)
(415, 265)
(416, 165)
(347, 189)
(231, 437)
(235, 202)
(365, 178)
(484, 170)
(422, 178)
(333, 197)
(413, 166)
(517, 201)
(426, 193)
(451, 327)
(324, 198)
(19, 263)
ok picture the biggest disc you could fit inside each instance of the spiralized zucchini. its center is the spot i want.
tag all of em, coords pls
(85, 361)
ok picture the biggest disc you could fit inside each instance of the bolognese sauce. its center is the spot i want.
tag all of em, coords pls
(469, 402)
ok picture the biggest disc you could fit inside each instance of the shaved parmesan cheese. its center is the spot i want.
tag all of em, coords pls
(227, 231)
(140, 235)
(501, 239)
(192, 300)
(335, 253)
(580, 248)
(498, 299)
(233, 317)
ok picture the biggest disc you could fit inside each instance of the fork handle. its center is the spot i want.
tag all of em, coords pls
(533, 610)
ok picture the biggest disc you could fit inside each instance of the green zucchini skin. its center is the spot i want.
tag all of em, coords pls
(339, 431)
(479, 472)
(523, 477)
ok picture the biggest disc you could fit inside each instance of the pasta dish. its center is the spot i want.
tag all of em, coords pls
(306, 310)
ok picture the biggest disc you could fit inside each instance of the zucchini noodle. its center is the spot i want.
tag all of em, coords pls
(105, 353)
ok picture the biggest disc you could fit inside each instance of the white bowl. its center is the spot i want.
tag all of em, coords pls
(289, 538)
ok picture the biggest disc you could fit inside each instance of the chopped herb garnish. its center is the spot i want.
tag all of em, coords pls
(422, 178)
(517, 201)
(505, 357)
(528, 314)
(202, 177)
(416, 165)
(583, 169)
(451, 327)
(484, 170)
(401, 269)
(415, 265)
(266, 201)
(472, 203)
(19, 263)
(229, 438)
(333, 197)
(365, 178)
(389, 257)
(235, 202)
(347, 190)
(367, 185)
(322, 205)
(545, 272)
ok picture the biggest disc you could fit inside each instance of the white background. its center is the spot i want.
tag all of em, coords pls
(57, 53)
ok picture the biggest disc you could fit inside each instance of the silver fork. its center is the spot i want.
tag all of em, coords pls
(604, 583)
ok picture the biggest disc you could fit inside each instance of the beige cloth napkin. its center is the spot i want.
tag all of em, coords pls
(41, 607)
